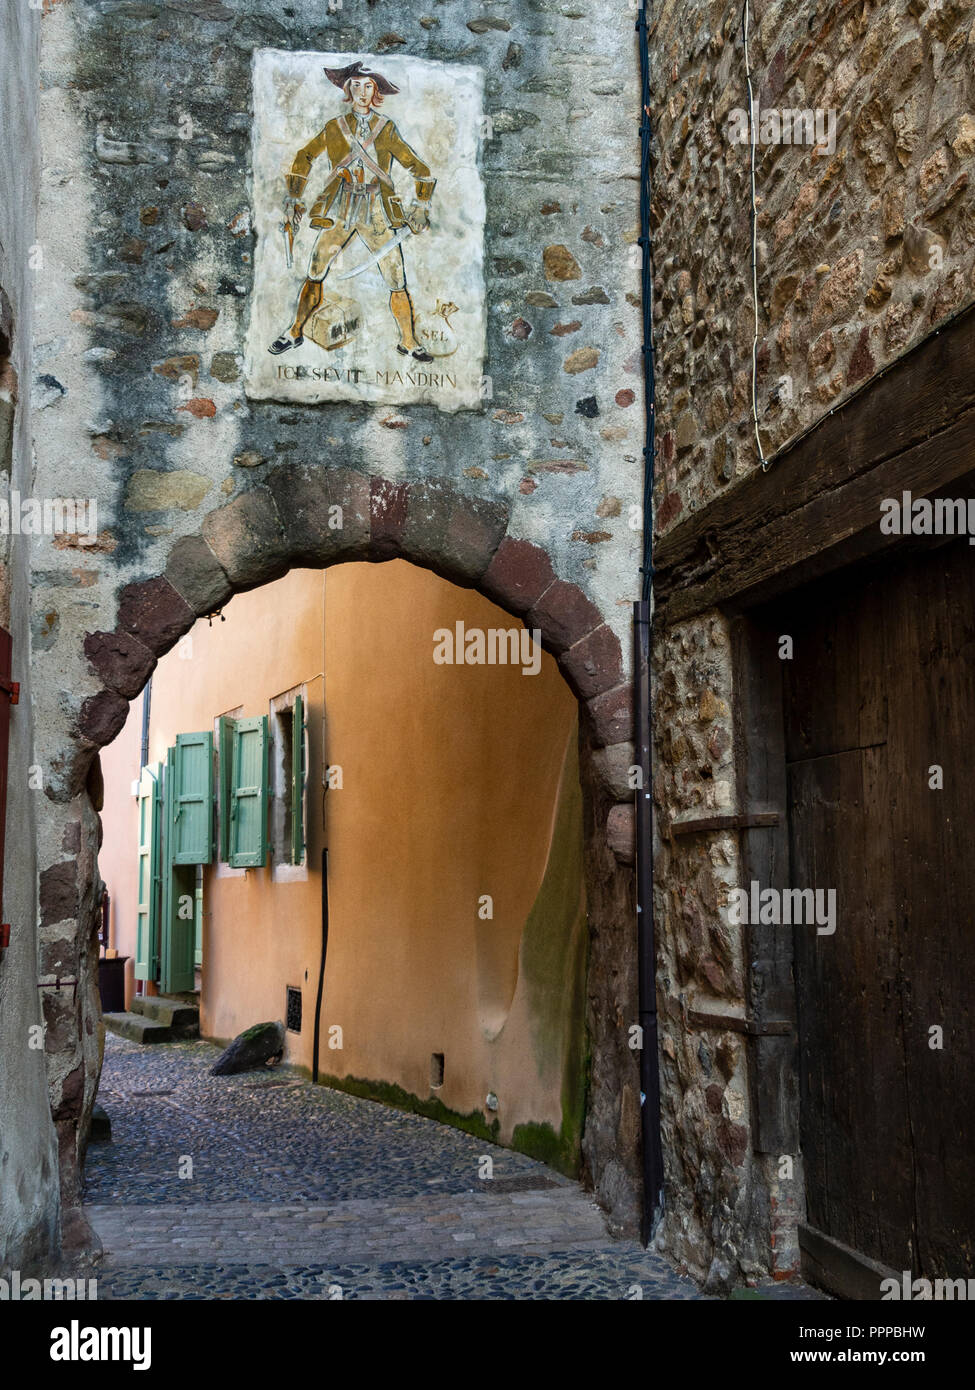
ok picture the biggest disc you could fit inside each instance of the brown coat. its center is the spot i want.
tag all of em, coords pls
(334, 141)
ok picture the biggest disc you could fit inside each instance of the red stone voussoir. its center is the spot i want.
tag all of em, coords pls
(153, 612)
(595, 664)
(518, 575)
(564, 615)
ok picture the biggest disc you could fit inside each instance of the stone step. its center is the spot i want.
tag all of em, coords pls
(138, 1028)
(177, 1014)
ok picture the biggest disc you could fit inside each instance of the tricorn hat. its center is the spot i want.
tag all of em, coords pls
(341, 75)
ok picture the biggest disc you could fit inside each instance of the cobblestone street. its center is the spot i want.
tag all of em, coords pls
(264, 1186)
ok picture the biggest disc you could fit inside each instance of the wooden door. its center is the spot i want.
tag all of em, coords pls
(879, 697)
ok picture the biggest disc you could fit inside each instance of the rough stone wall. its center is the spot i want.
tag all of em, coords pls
(28, 1156)
(148, 272)
(716, 1203)
(862, 251)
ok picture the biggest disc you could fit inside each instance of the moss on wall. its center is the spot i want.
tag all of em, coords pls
(554, 957)
(388, 1093)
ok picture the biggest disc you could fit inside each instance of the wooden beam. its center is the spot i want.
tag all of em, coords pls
(818, 507)
(846, 1273)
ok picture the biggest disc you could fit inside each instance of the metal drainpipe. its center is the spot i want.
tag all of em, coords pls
(146, 703)
(653, 1167)
(321, 968)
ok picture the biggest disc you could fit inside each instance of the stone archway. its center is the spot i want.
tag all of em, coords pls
(289, 520)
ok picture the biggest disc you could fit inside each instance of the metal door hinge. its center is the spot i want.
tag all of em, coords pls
(739, 820)
(755, 1028)
(11, 689)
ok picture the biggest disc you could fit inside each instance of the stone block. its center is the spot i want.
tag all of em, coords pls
(312, 536)
(387, 511)
(595, 664)
(350, 490)
(72, 1094)
(60, 957)
(612, 768)
(195, 572)
(247, 538)
(518, 575)
(610, 716)
(60, 1018)
(154, 613)
(120, 660)
(564, 615)
(474, 531)
(428, 507)
(58, 892)
(621, 832)
(100, 719)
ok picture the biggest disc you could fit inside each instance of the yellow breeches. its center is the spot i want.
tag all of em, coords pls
(374, 233)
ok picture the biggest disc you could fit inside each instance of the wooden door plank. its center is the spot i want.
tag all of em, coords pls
(936, 681)
(763, 857)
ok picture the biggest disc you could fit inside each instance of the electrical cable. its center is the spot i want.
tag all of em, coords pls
(649, 452)
(650, 1132)
(752, 138)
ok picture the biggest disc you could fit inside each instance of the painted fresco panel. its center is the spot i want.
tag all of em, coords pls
(369, 214)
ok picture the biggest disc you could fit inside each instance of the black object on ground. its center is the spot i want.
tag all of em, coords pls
(258, 1045)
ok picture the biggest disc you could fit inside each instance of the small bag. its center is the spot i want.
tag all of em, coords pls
(435, 331)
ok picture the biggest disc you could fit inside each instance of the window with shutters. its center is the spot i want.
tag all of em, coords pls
(247, 831)
(191, 799)
(223, 728)
(288, 768)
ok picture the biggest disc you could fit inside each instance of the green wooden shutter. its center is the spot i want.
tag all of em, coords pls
(248, 794)
(147, 912)
(191, 799)
(298, 781)
(178, 934)
(225, 754)
(198, 921)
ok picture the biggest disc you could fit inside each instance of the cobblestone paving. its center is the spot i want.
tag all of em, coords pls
(265, 1137)
(301, 1192)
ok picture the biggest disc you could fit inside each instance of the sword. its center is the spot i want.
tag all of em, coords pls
(377, 256)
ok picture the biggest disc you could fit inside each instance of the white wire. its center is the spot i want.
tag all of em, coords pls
(751, 143)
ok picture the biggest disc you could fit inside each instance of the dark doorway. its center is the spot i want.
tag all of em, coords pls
(878, 707)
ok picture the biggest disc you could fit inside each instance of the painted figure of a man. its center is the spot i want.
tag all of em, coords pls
(358, 199)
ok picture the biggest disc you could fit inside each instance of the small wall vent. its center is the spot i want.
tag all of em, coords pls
(294, 1010)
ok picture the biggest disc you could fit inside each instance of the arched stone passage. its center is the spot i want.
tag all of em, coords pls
(308, 517)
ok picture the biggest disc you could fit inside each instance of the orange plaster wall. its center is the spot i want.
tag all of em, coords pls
(450, 783)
